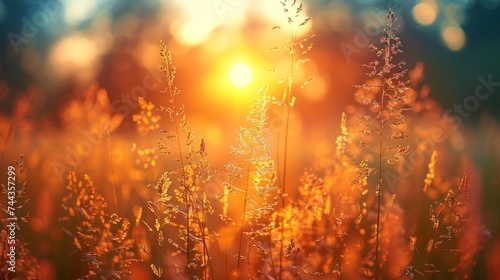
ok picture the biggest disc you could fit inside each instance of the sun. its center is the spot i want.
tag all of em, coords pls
(240, 75)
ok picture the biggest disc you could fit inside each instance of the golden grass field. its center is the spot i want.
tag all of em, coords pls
(165, 186)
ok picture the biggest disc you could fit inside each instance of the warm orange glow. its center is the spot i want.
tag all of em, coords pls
(75, 54)
(425, 12)
(317, 90)
(454, 37)
(218, 140)
(221, 86)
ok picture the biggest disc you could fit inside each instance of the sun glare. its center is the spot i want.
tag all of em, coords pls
(240, 75)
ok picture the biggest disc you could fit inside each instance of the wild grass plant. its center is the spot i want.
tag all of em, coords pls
(355, 218)
(383, 94)
(296, 49)
(346, 224)
(102, 239)
(25, 263)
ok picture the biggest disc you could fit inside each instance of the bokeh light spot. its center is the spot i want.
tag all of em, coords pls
(77, 11)
(76, 54)
(425, 12)
(240, 75)
(454, 37)
(194, 32)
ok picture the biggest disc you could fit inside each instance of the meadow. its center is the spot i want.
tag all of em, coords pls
(130, 188)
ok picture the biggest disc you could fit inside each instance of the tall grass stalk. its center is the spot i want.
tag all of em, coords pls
(110, 149)
(378, 192)
(186, 188)
(252, 176)
(189, 161)
(295, 49)
(389, 83)
(243, 218)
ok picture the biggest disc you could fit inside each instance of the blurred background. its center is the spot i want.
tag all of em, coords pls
(58, 47)
(55, 53)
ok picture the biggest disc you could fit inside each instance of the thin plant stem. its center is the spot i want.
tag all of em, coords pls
(287, 98)
(186, 190)
(378, 192)
(201, 225)
(206, 254)
(247, 171)
(108, 139)
(183, 173)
